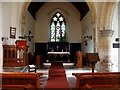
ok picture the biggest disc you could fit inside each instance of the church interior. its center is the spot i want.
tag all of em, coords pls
(62, 45)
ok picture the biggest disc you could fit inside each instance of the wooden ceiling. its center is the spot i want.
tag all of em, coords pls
(82, 7)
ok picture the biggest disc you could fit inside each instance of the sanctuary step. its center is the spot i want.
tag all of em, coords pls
(15, 69)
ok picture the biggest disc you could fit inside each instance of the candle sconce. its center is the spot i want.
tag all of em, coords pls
(4, 38)
(86, 38)
(29, 36)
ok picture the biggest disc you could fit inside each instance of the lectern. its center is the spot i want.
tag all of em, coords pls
(92, 59)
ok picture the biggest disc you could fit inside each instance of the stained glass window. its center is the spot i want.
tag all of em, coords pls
(58, 28)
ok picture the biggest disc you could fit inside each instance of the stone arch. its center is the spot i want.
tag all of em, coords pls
(106, 15)
(23, 16)
(26, 4)
(105, 19)
(93, 12)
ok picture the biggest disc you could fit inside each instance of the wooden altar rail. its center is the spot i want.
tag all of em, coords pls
(20, 81)
(104, 80)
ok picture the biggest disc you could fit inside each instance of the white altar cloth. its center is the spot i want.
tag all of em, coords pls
(58, 53)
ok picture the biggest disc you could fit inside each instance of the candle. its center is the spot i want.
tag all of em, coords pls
(47, 47)
(69, 47)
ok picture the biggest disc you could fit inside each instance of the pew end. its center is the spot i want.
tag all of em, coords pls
(98, 80)
(20, 81)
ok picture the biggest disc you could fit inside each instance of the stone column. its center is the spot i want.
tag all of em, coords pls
(105, 50)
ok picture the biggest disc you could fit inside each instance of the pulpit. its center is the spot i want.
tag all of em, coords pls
(15, 55)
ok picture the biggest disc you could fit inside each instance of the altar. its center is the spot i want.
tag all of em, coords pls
(58, 56)
(57, 51)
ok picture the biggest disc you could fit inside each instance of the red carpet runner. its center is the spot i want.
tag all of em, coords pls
(57, 78)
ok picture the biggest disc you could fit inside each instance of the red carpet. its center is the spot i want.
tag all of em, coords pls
(57, 77)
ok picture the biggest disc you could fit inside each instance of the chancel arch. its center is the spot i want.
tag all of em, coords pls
(50, 14)
(23, 16)
(74, 29)
(97, 20)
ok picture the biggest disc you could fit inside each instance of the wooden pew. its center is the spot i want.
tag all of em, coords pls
(20, 81)
(105, 80)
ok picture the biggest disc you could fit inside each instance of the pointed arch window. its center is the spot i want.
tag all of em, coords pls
(58, 28)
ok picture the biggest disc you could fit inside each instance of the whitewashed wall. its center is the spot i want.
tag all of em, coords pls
(29, 26)
(1, 53)
(119, 35)
(43, 17)
(87, 29)
(10, 18)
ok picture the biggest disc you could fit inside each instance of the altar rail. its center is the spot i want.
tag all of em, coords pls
(106, 80)
(20, 81)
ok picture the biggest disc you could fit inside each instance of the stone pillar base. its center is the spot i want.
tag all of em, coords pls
(103, 66)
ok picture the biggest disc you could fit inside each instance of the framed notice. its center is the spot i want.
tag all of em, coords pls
(12, 32)
(116, 45)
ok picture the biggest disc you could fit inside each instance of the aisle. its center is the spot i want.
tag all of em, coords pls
(57, 77)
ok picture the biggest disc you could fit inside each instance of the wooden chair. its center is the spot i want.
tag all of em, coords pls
(31, 63)
(79, 59)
